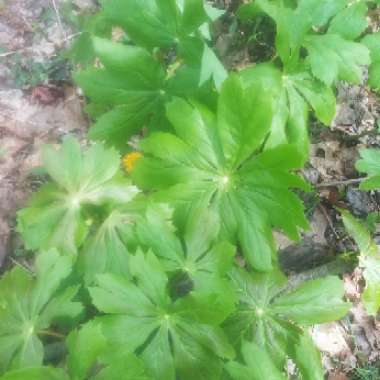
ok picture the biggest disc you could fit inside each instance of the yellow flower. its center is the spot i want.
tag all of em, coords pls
(130, 159)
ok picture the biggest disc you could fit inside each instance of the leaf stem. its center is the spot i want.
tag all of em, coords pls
(22, 266)
(51, 333)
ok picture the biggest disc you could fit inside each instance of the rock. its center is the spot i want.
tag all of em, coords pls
(331, 339)
(361, 202)
(311, 175)
(304, 255)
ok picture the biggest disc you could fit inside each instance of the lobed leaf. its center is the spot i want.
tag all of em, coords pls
(271, 318)
(370, 164)
(55, 215)
(222, 169)
(369, 260)
(30, 305)
(145, 310)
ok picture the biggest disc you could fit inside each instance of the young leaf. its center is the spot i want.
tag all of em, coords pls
(369, 260)
(215, 161)
(271, 318)
(142, 316)
(55, 214)
(333, 58)
(259, 365)
(370, 164)
(30, 305)
(372, 41)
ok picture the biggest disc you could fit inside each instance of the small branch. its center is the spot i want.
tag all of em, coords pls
(8, 53)
(328, 219)
(60, 42)
(340, 183)
(59, 21)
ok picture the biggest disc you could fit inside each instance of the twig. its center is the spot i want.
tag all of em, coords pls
(339, 183)
(2, 55)
(60, 25)
(60, 42)
(328, 219)
(24, 267)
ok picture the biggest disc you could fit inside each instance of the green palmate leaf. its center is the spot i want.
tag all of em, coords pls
(332, 58)
(198, 262)
(295, 94)
(370, 164)
(171, 23)
(37, 373)
(170, 335)
(369, 260)
(165, 21)
(215, 161)
(55, 216)
(273, 319)
(28, 306)
(372, 41)
(130, 84)
(351, 22)
(258, 365)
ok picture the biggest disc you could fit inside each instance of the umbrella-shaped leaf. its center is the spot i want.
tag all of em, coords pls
(168, 334)
(55, 214)
(217, 161)
(274, 319)
(30, 305)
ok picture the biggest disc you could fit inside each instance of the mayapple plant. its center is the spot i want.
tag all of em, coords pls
(167, 270)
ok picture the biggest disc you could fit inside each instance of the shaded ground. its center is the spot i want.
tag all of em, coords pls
(38, 104)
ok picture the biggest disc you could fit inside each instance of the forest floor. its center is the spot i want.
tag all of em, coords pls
(39, 104)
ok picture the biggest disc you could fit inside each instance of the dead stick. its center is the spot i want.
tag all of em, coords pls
(60, 25)
(340, 183)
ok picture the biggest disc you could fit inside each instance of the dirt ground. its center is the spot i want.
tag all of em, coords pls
(39, 104)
